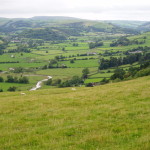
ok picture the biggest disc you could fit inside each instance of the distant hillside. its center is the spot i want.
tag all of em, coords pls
(53, 18)
(45, 34)
(3, 21)
(141, 26)
(145, 27)
(126, 23)
(112, 116)
(67, 24)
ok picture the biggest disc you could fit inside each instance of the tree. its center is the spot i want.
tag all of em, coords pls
(118, 73)
(24, 80)
(44, 67)
(85, 73)
(76, 80)
(56, 82)
(48, 82)
(10, 79)
(1, 79)
(63, 49)
(23, 48)
(89, 85)
(52, 63)
(71, 61)
(104, 81)
(12, 89)
(18, 70)
(75, 44)
(57, 58)
(96, 44)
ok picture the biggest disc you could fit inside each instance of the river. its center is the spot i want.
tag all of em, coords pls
(39, 84)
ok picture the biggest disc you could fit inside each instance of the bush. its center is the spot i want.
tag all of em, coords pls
(12, 89)
(48, 82)
(71, 61)
(1, 90)
(65, 84)
(44, 67)
(19, 70)
(118, 73)
(143, 72)
(117, 80)
(1, 79)
(24, 80)
(56, 82)
(89, 85)
(104, 81)
(10, 79)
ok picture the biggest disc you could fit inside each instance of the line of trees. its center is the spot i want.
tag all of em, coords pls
(10, 89)
(140, 48)
(143, 70)
(95, 44)
(11, 79)
(123, 41)
(3, 45)
(74, 81)
(130, 59)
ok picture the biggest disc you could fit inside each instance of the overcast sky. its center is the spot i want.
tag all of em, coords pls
(86, 9)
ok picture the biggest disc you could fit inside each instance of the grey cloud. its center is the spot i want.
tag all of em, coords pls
(50, 7)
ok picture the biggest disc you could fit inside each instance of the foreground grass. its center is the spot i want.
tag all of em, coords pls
(114, 116)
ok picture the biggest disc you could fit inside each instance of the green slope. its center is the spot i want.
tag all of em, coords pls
(61, 23)
(127, 23)
(114, 116)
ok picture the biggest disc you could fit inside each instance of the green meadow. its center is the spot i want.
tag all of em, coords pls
(108, 117)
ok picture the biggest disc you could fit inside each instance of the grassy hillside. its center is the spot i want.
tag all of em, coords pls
(127, 23)
(66, 25)
(114, 116)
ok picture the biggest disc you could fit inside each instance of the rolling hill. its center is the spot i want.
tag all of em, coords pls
(113, 116)
(81, 25)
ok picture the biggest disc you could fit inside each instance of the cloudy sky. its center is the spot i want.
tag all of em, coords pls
(86, 9)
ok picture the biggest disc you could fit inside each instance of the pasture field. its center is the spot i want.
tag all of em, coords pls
(81, 63)
(24, 65)
(64, 73)
(20, 87)
(87, 118)
(41, 55)
(93, 80)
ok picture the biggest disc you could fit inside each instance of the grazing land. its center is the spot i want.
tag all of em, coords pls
(112, 116)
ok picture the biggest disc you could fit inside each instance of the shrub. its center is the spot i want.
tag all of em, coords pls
(48, 82)
(104, 81)
(24, 80)
(10, 79)
(12, 89)
(18, 70)
(44, 67)
(117, 80)
(1, 79)
(56, 82)
(143, 72)
(89, 85)
(71, 61)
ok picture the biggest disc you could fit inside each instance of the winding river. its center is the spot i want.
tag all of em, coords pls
(39, 84)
